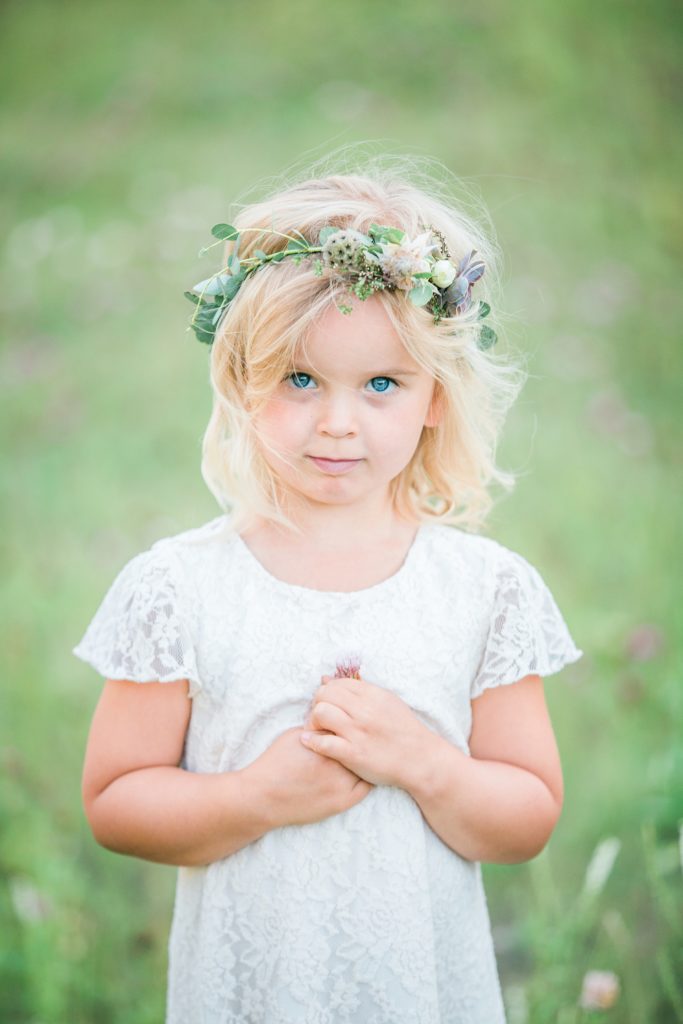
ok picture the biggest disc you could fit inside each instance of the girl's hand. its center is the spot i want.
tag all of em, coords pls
(372, 732)
(298, 786)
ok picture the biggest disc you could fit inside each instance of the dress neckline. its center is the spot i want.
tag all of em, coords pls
(391, 583)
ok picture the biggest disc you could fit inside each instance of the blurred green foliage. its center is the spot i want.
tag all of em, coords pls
(127, 130)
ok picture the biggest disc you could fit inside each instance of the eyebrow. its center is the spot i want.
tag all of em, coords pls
(397, 372)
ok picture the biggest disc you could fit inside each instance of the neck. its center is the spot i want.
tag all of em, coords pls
(343, 527)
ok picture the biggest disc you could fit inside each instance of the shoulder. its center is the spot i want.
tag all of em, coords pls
(190, 549)
(485, 556)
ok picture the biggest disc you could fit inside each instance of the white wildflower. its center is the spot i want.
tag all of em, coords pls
(30, 904)
(600, 866)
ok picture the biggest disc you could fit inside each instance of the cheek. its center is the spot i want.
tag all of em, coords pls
(282, 419)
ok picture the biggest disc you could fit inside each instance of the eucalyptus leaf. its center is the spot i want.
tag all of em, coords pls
(212, 286)
(487, 337)
(484, 310)
(325, 234)
(294, 245)
(421, 294)
(226, 232)
(380, 232)
(234, 264)
(231, 286)
(261, 254)
(192, 297)
(204, 332)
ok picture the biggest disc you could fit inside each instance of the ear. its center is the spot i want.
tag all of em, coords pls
(436, 407)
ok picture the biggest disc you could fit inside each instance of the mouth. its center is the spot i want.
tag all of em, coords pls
(334, 466)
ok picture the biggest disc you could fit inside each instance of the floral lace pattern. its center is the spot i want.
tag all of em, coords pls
(365, 916)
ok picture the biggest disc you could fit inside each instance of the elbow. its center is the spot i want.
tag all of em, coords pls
(545, 826)
(101, 828)
(103, 820)
(536, 832)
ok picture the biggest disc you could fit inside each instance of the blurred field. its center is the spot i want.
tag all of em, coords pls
(127, 129)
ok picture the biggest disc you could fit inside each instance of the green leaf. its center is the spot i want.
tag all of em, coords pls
(277, 257)
(325, 234)
(487, 337)
(192, 297)
(226, 232)
(234, 264)
(212, 285)
(484, 310)
(205, 332)
(261, 254)
(380, 232)
(294, 245)
(421, 294)
(231, 286)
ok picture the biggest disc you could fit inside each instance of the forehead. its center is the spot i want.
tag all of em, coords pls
(362, 340)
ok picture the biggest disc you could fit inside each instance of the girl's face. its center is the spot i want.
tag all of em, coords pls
(349, 419)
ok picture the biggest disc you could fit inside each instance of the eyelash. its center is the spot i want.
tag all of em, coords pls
(298, 375)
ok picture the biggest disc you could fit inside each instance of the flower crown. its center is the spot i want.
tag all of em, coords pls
(384, 258)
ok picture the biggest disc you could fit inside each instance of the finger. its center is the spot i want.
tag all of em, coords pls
(326, 744)
(351, 683)
(335, 693)
(329, 716)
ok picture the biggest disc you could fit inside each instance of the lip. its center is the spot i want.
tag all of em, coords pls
(335, 466)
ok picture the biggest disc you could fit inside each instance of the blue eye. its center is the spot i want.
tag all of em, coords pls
(299, 380)
(387, 381)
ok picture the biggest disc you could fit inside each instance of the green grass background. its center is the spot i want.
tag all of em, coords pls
(127, 129)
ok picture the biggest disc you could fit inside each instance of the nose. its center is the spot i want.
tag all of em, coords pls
(337, 415)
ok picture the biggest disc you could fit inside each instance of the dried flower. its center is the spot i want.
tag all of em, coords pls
(342, 248)
(600, 990)
(400, 261)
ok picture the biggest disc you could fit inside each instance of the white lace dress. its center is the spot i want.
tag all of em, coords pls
(366, 917)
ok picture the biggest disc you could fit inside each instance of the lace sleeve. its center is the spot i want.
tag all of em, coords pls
(139, 632)
(527, 634)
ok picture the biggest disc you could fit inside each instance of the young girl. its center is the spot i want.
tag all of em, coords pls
(326, 744)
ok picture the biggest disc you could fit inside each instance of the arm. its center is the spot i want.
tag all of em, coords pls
(502, 803)
(139, 802)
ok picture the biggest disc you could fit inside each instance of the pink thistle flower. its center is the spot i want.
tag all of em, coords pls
(348, 669)
(600, 990)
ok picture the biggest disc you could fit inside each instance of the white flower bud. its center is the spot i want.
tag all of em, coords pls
(443, 273)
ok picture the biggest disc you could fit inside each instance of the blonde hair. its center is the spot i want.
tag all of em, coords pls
(449, 476)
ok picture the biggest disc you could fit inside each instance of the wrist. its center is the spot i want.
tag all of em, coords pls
(259, 798)
(429, 766)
